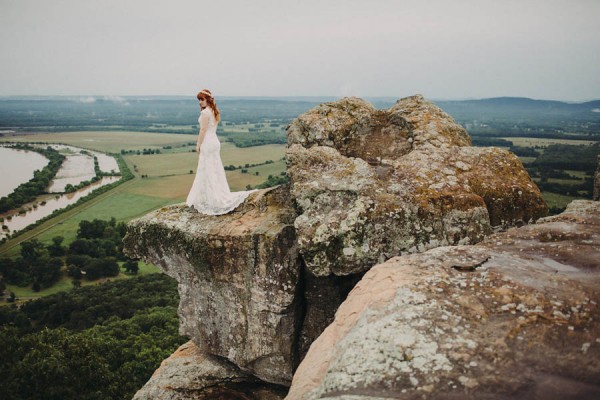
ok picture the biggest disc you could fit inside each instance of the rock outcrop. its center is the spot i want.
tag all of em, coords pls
(372, 184)
(260, 284)
(238, 278)
(515, 316)
(191, 374)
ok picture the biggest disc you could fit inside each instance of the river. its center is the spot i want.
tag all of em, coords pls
(20, 221)
(17, 166)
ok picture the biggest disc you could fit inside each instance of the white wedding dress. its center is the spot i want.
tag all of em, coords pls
(210, 192)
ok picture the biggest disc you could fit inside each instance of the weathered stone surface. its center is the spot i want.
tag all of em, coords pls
(372, 184)
(369, 184)
(515, 316)
(597, 182)
(189, 374)
(238, 275)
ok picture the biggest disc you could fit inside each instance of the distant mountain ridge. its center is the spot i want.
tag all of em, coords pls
(525, 102)
(505, 100)
(142, 112)
(524, 110)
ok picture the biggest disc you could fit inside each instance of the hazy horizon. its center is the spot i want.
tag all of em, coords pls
(459, 50)
(90, 98)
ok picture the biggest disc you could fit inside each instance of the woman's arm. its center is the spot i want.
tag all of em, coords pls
(203, 126)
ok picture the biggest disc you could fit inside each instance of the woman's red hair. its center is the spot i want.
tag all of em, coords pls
(211, 102)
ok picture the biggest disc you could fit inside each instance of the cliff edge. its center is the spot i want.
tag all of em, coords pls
(260, 284)
(513, 317)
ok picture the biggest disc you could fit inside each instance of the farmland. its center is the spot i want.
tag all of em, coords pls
(156, 138)
(168, 173)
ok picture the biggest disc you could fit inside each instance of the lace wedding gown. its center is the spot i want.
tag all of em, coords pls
(210, 192)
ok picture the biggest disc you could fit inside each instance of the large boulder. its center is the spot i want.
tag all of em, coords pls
(372, 184)
(191, 374)
(238, 278)
(515, 316)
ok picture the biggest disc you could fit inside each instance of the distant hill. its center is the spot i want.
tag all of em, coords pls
(522, 110)
(143, 112)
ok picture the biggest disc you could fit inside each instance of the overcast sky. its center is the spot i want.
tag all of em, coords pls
(454, 49)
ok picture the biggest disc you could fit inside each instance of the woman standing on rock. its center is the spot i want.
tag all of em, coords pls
(210, 192)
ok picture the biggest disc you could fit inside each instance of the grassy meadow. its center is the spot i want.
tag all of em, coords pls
(558, 200)
(65, 283)
(107, 141)
(544, 142)
(168, 181)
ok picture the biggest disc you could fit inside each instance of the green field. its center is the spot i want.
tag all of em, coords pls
(578, 174)
(245, 128)
(168, 182)
(532, 142)
(527, 160)
(65, 283)
(107, 141)
(168, 179)
(173, 163)
(268, 169)
(565, 181)
(169, 173)
(558, 200)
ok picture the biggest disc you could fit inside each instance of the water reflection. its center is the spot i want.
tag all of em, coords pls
(17, 167)
(20, 221)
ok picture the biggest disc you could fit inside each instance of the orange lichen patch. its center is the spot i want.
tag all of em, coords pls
(456, 137)
(186, 350)
(509, 193)
(450, 200)
(436, 204)
(386, 204)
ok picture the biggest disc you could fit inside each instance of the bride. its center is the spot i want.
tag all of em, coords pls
(210, 192)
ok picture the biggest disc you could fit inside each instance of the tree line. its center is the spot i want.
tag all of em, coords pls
(232, 167)
(93, 254)
(256, 138)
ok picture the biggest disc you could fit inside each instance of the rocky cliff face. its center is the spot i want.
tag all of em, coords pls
(515, 316)
(238, 279)
(190, 373)
(260, 284)
(372, 184)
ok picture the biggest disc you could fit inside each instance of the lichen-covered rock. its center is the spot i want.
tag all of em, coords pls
(238, 278)
(515, 316)
(189, 374)
(372, 184)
